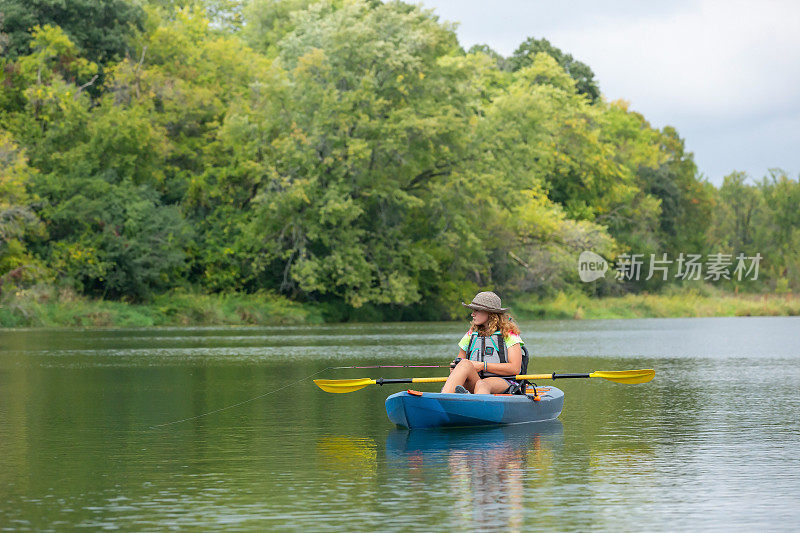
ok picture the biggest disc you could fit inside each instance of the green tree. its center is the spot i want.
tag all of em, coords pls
(18, 221)
(268, 21)
(740, 206)
(368, 126)
(686, 201)
(501, 62)
(99, 28)
(346, 152)
(225, 16)
(584, 77)
(580, 152)
(99, 166)
(5, 40)
(527, 137)
(778, 234)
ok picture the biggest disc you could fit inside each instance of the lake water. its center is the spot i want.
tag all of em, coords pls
(712, 443)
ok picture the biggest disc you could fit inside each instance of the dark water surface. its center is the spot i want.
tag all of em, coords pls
(712, 443)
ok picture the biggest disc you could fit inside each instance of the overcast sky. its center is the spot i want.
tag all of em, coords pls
(726, 74)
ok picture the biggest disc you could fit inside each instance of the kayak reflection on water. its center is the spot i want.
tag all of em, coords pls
(487, 465)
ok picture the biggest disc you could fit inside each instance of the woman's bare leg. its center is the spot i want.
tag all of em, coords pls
(491, 386)
(463, 374)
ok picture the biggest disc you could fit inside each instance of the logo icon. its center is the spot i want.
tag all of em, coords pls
(591, 266)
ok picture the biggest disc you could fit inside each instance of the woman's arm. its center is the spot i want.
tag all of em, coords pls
(512, 368)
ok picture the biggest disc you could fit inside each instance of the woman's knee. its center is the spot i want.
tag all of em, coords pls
(464, 366)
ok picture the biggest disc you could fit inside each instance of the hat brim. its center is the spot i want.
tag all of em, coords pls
(479, 307)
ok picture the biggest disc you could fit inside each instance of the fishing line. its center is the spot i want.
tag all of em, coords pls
(240, 403)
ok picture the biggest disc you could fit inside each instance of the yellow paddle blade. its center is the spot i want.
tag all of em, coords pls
(630, 377)
(343, 385)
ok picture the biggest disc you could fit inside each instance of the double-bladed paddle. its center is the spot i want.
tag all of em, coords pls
(629, 377)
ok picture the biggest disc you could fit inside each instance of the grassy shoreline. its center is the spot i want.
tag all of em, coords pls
(50, 308)
(66, 309)
(675, 305)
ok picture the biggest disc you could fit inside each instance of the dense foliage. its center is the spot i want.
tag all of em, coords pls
(347, 152)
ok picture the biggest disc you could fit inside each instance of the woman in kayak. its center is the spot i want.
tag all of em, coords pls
(490, 353)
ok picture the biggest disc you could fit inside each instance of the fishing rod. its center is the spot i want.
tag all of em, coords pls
(393, 366)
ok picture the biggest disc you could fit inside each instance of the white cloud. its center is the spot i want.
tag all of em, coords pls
(710, 59)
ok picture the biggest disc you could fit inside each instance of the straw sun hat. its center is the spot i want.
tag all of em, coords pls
(486, 301)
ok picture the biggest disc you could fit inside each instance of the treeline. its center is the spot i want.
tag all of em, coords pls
(345, 152)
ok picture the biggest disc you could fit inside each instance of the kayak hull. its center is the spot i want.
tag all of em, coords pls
(435, 409)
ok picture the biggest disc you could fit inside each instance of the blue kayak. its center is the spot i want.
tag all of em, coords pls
(413, 409)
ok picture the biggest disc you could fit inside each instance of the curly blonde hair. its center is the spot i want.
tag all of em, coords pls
(502, 322)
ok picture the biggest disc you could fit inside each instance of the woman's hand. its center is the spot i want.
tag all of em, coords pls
(460, 357)
(477, 365)
(453, 364)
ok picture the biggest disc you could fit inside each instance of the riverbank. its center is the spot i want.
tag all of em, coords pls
(39, 307)
(685, 303)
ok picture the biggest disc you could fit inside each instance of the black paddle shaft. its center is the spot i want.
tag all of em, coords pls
(381, 381)
(562, 376)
